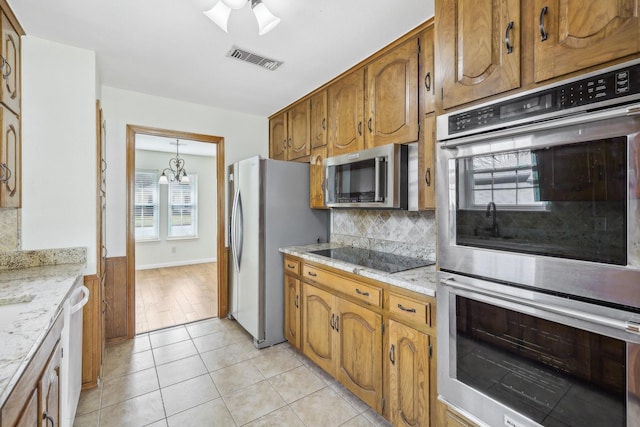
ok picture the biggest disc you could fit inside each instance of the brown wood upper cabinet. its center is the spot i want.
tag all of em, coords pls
(426, 72)
(10, 163)
(574, 35)
(10, 70)
(478, 48)
(392, 96)
(316, 177)
(318, 119)
(289, 133)
(346, 106)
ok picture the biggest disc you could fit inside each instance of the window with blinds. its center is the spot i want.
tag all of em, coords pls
(183, 208)
(508, 179)
(146, 205)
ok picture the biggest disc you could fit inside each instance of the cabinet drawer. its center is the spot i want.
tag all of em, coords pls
(291, 266)
(411, 309)
(363, 292)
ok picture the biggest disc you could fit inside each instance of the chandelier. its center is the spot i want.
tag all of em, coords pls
(221, 11)
(175, 171)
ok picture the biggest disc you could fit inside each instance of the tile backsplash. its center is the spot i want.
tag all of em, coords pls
(10, 230)
(400, 232)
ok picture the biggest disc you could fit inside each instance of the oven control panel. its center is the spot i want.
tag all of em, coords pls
(621, 85)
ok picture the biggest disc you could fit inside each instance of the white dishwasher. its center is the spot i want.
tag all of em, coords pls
(71, 368)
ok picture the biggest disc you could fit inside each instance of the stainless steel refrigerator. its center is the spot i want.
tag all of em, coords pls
(268, 209)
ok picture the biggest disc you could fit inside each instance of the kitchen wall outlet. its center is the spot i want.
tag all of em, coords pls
(173, 249)
(600, 223)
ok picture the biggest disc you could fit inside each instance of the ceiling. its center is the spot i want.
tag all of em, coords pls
(169, 48)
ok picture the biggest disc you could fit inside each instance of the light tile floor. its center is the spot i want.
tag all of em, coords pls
(208, 373)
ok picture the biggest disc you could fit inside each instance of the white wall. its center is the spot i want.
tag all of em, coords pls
(58, 147)
(245, 135)
(155, 254)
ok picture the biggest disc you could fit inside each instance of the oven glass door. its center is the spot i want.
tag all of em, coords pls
(567, 201)
(556, 375)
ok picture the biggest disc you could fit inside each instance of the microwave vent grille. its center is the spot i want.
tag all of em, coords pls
(253, 58)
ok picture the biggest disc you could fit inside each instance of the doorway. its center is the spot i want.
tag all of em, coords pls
(171, 270)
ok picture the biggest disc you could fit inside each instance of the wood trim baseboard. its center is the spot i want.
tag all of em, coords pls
(92, 334)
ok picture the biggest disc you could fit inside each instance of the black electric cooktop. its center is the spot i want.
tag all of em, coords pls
(383, 261)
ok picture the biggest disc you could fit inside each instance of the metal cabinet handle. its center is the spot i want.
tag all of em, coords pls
(360, 128)
(289, 142)
(49, 419)
(427, 177)
(332, 322)
(337, 323)
(5, 173)
(284, 144)
(507, 37)
(543, 33)
(364, 294)
(8, 73)
(427, 81)
(297, 301)
(323, 125)
(369, 125)
(409, 310)
(392, 354)
(312, 274)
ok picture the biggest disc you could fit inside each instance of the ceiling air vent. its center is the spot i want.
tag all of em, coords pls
(243, 55)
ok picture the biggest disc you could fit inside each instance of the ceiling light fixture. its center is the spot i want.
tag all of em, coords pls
(221, 11)
(175, 171)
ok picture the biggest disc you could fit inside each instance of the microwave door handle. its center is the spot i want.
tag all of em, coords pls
(378, 165)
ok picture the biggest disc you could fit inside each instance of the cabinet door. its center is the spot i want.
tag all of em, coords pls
(319, 119)
(292, 310)
(278, 137)
(360, 351)
(316, 170)
(298, 141)
(50, 390)
(10, 71)
(426, 74)
(426, 164)
(317, 327)
(580, 34)
(392, 97)
(29, 417)
(346, 105)
(472, 53)
(408, 361)
(10, 153)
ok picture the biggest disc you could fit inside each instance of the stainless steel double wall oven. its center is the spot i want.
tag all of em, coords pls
(539, 251)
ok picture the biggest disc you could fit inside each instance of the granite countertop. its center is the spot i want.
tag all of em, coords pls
(421, 280)
(49, 286)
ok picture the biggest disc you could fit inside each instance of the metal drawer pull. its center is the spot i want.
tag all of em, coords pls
(297, 301)
(427, 177)
(360, 128)
(324, 121)
(332, 321)
(392, 354)
(507, 37)
(427, 81)
(410, 310)
(290, 266)
(369, 125)
(543, 33)
(337, 323)
(364, 294)
(49, 419)
(312, 274)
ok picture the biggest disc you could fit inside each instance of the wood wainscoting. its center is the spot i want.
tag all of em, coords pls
(116, 300)
(92, 334)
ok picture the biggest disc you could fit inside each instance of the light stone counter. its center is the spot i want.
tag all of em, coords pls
(49, 285)
(421, 280)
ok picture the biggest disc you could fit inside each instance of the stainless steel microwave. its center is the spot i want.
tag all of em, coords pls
(372, 178)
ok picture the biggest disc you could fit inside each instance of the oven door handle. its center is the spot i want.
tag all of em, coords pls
(630, 327)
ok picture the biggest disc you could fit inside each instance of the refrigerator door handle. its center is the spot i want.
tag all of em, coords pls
(240, 230)
(234, 227)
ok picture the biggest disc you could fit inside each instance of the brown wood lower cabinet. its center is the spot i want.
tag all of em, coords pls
(36, 395)
(341, 322)
(409, 375)
(344, 339)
